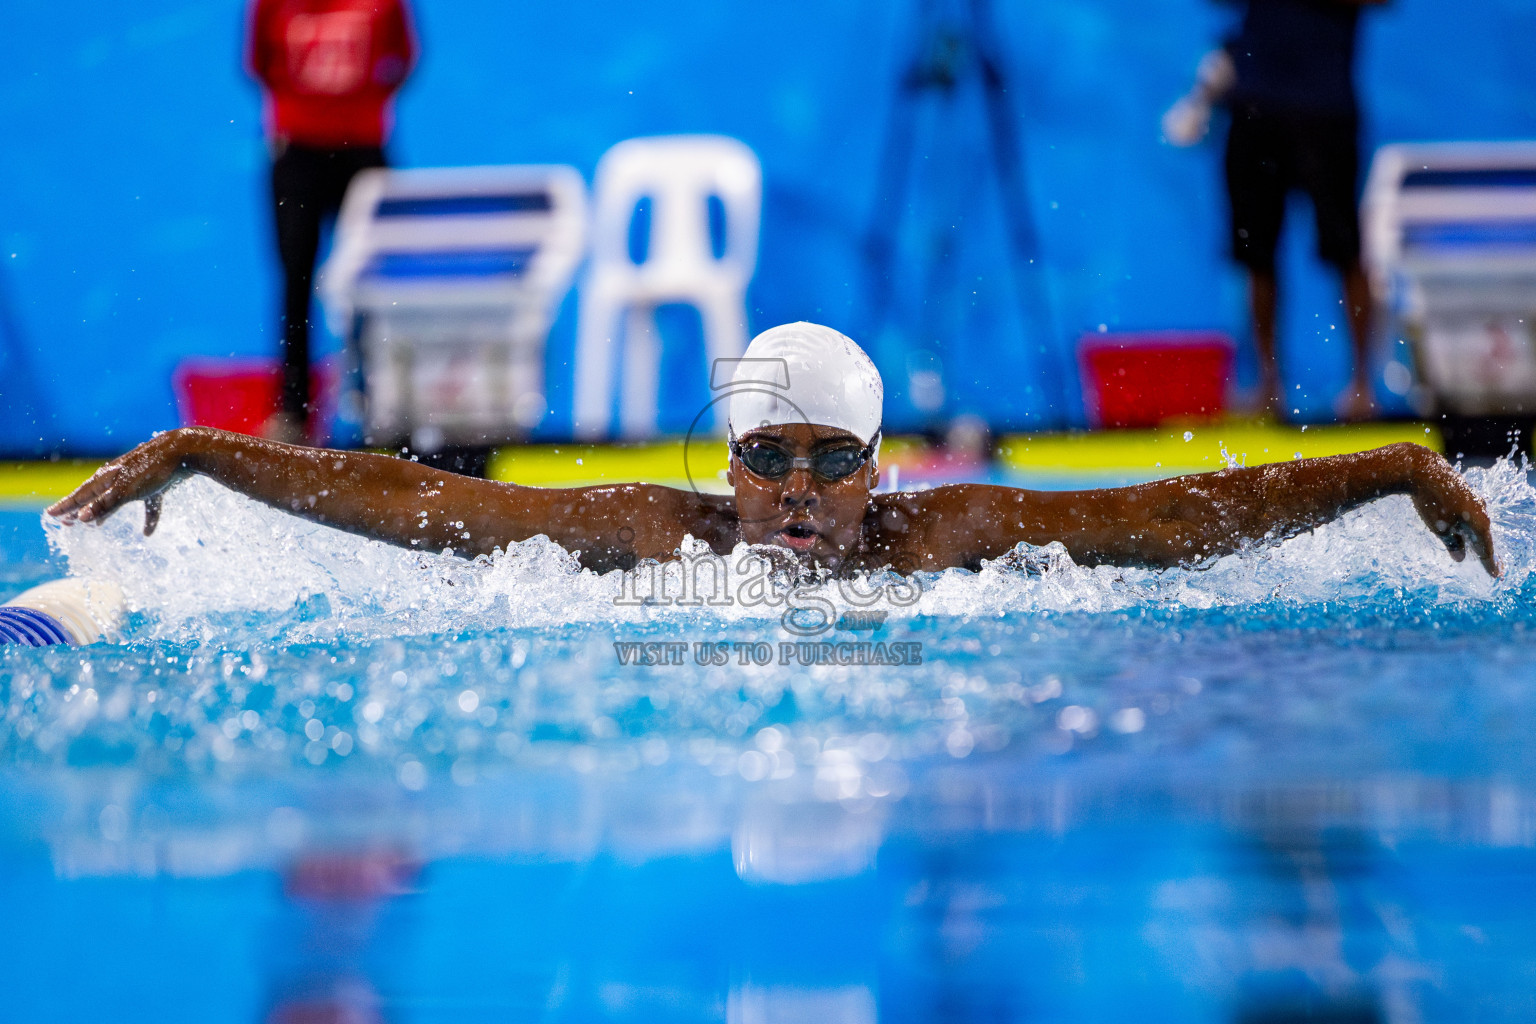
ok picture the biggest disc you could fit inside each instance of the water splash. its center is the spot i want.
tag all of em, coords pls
(218, 559)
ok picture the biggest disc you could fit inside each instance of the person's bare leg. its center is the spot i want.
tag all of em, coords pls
(1355, 401)
(1263, 301)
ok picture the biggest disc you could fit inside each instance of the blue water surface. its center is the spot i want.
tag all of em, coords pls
(315, 774)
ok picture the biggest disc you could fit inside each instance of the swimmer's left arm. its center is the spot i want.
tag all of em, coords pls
(1186, 519)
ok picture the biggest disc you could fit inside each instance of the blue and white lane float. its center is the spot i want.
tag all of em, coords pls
(68, 611)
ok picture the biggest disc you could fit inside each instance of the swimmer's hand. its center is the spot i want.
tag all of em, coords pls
(142, 474)
(1450, 509)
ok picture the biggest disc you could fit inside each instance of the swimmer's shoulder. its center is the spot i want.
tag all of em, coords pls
(900, 523)
(676, 512)
(948, 499)
(654, 515)
(944, 526)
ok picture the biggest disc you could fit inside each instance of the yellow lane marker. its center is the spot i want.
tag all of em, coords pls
(42, 483)
(1166, 451)
(577, 465)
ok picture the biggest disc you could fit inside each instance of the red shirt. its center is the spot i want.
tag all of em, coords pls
(330, 67)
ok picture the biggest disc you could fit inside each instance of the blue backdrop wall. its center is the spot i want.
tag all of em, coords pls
(134, 232)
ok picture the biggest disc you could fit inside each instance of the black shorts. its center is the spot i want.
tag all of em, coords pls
(1268, 155)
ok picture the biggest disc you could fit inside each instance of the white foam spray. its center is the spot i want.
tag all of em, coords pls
(220, 561)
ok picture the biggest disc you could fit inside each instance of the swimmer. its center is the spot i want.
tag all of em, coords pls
(804, 439)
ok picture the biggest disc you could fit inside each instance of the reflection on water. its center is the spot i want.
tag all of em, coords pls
(323, 936)
(976, 897)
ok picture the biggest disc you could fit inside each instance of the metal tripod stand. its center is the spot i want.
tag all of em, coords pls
(955, 43)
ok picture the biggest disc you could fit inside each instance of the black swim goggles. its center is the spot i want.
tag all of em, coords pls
(765, 459)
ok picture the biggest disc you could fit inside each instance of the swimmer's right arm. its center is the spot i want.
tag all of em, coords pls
(393, 500)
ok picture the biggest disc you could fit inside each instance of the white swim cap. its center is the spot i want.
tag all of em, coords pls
(806, 373)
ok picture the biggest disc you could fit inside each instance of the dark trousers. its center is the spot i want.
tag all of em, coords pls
(1269, 154)
(307, 188)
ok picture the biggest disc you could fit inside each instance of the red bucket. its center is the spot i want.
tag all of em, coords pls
(1150, 378)
(240, 394)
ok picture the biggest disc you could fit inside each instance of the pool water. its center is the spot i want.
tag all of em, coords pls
(318, 775)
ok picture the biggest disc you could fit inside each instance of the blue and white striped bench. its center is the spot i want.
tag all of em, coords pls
(1450, 243)
(449, 279)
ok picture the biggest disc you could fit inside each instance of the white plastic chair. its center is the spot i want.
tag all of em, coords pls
(1450, 246)
(678, 174)
(449, 279)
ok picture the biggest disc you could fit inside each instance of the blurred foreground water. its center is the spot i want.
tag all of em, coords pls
(324, 779)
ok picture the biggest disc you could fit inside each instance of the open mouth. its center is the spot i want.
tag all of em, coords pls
(798, 536)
